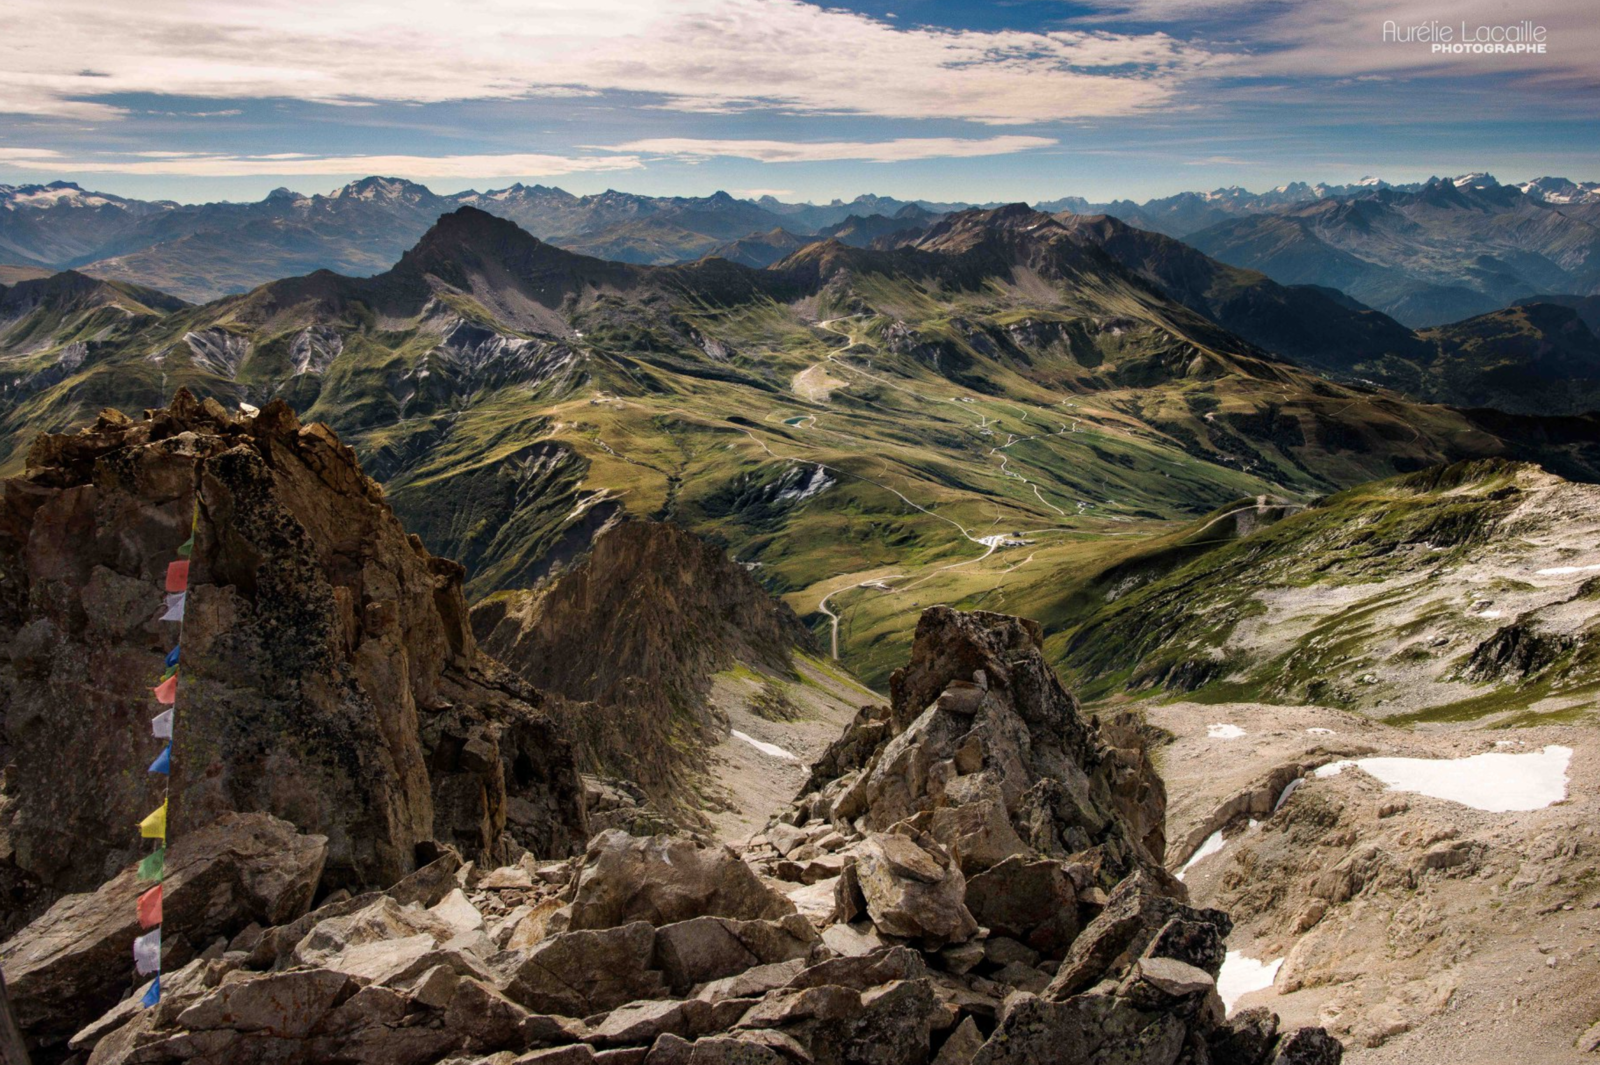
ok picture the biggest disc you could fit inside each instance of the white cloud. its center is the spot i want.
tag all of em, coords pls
(24, 156)
(891, 151)
(699, 55)
(293, 165)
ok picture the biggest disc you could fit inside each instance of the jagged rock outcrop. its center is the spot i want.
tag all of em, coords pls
(329, 674)
(670, 610)
(984, 749)
(661, 951)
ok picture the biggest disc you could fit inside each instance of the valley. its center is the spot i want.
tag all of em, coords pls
(987, 417)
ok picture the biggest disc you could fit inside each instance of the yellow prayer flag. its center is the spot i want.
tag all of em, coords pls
(155, 826)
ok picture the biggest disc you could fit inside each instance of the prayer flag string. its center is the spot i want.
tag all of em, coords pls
(147, 948)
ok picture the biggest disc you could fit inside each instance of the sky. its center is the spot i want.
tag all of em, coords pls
(198, 100)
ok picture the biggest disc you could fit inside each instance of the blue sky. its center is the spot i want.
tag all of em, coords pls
(198, 100)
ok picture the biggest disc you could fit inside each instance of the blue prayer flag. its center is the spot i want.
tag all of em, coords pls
(172, 658)
(163, 762)
(152, 996)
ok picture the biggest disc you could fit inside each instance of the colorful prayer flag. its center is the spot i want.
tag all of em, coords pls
(161, 725)
(155, 825)
(149, 908)
(153, 865)
(147, 952)
(166, 692)
(175, 607)
(163, 762)
(187, 547)
(178, 576)
(152, 994)
(172, 658)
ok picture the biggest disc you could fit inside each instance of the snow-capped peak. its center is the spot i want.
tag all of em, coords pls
(55, 194)
(1476, 180)
(380, 190)
(1561, 190)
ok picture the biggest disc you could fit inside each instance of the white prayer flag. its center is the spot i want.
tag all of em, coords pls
(175, 606)
(161, 725)
(147, 952)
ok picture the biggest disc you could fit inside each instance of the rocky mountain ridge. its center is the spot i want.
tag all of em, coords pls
(1418, 925)
(1444, 252)
(672, 612)
(204, 251)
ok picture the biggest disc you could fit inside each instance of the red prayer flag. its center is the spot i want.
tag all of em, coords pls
(166, 692)
(178, 576)
(150, 908)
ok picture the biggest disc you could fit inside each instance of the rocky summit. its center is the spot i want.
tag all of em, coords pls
(971, 874)
(331, 677)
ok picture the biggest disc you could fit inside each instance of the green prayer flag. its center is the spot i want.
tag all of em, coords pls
(153, 864)
(187, 548)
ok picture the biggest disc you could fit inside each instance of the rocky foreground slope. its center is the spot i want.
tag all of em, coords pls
(972, 875)
(1455, 927)
(329, 674)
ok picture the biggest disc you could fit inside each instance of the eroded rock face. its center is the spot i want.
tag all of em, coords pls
(329, 675)
(670, 610)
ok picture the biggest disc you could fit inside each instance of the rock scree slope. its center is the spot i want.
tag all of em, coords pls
(971, 876)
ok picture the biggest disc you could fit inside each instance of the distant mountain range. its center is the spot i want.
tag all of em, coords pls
(1424, 253)
(202, 251)
(1539, 357)
(1436, 254)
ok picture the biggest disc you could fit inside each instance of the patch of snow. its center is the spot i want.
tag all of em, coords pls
(1495, 782)
(1486, 614)
(1224, 732)
(765, 748)
(217, 350)
(818, 481)
(1241, 975)
(1319, 731)
(1288, 790)
(313, 350)
(1562, 571)
(1213, 843)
